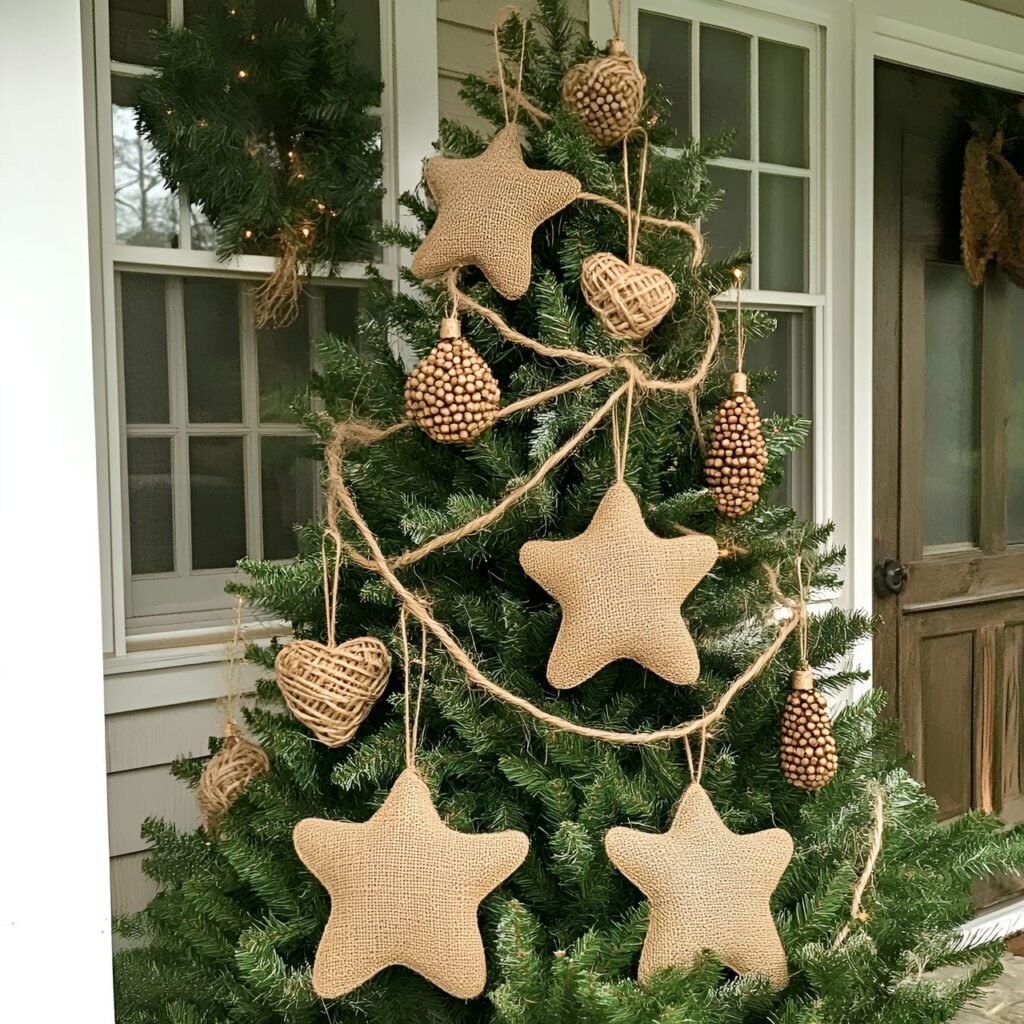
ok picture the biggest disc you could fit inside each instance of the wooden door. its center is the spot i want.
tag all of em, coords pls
(948, 462)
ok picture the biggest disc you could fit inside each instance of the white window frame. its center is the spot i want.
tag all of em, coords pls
(409, 125)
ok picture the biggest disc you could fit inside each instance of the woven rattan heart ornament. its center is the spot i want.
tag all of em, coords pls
(331, 689)
(606, 93)
(629, 298)
(452, 394)
(227, 774)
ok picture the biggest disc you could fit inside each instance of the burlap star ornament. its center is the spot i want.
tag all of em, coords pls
(620, 587)
(709, 889)
(404, 889)
(488, 208)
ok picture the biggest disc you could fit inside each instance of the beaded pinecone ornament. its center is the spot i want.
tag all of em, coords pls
(606, 94)
(452, 394)
(736, 459)
(808, 752)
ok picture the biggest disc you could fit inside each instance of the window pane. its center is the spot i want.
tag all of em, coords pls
(203, 235)
(1015, 420)
(145, 211)
(212, 351)
(144, 335)
(283, 360)
(783, 97)
(728, 228)
(287, 489)
(341, 311)
(665, 57)
(217, 499)
(362, 19)
(150, 507)
(782, 240)
(952, 428)
(131, 22)
(725, 87)
(789, 353)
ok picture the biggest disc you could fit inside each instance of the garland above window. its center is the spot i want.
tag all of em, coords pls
(269, 127)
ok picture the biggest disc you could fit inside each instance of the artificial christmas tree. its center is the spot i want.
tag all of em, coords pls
(870, 900)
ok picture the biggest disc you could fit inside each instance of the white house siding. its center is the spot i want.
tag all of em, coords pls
(465, 46)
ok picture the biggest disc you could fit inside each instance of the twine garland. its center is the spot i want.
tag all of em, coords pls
(857, 913)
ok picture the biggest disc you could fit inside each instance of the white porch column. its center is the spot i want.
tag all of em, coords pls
(55, 922)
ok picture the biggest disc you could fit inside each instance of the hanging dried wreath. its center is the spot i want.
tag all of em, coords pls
(992, 200)
(267, 126)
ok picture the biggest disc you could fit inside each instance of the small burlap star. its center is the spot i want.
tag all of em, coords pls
(405, 890)
(488, 208)
(620, 587)
(709, 889)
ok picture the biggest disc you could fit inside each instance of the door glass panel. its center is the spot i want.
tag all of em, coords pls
(665, 57)
(783, 97)
(150, 508)
(145, 211)
(131, 22)
(217, 500)
(728, 228)
(788, 352)
(212, 351)
(283, 360)
(725, 87)
(287, 489)
(782, 256)
(144, 339)
(1015, 419)
(952, 425)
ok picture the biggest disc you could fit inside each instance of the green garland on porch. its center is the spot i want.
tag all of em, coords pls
(268, 126)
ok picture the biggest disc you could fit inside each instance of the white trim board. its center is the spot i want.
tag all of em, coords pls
(998, 923)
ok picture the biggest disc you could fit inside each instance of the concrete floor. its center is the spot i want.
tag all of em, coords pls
(1004, 1002)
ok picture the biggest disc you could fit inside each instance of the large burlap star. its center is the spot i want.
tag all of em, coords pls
(488, 208)
(620, 587)
(708, 889)
(405, 889)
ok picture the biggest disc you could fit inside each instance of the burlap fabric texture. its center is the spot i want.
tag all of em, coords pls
(488, 208)
(709, 889)
(331, 690)
(620, 587)
(227, 774)
(405, 889)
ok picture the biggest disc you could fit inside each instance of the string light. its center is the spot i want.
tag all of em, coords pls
(247, 233)
(242, 73)
(305, 232)
(202, 122)
(738, 275)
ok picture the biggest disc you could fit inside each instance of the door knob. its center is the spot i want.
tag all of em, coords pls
(890, 577)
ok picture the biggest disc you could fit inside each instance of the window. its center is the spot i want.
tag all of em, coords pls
(212, 460)
(728, 69)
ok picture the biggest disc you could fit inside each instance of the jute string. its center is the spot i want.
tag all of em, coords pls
(412, 718)
(615, 8)
(741, 337)
(696, 774)
(500, 18)
(857, 913)
(621, 445)
(419, 610)
(633, 216)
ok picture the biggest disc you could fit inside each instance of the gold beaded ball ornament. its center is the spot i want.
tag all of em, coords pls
(808, 752)
(606, 94)
(452, 394)
(736, 459)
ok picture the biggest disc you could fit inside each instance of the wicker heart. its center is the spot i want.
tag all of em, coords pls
(630, 299)
(331, 690)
